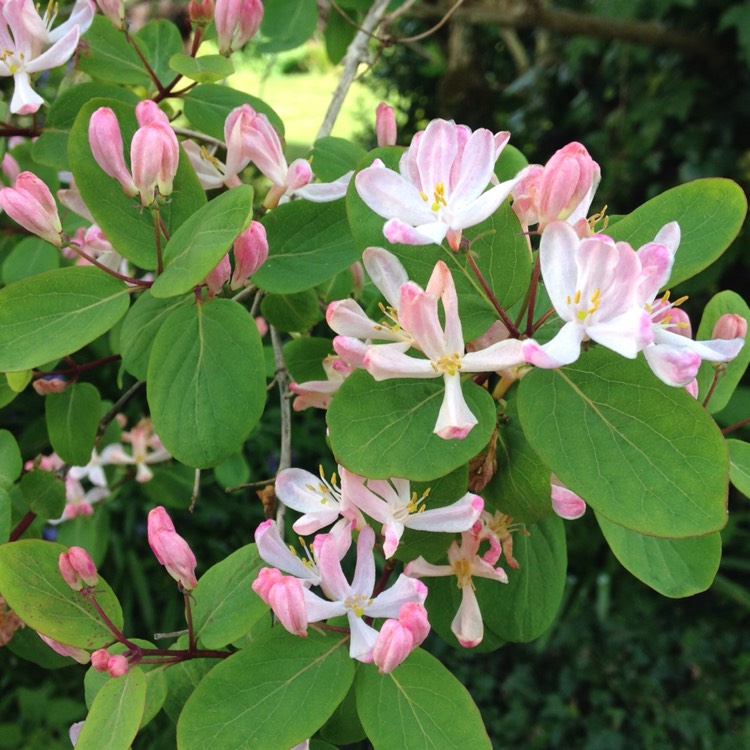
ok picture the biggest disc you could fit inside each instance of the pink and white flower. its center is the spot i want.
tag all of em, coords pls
(392, 503)
(441, 186)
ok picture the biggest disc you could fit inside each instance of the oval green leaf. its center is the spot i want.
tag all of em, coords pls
(196, 248)
(11, 462)
(273, 694)
(53, 314)
(44, 493)
(673, 567)
(420, 705)
(204, 69)
(206, 381)
(642, 454)
(33, 587)
(72, 422)
(739, 465)
(385, 429)
(710, 213)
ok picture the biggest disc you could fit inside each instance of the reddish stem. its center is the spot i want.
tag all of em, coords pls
(735, 426)
(23, 524)
(710, 393)
(79, 368)
(94, 262)
(514, 332)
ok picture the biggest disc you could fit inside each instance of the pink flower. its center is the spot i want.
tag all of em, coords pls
(78, 569)
(441, 186)
(105, 140)
(170, 549)
(219, 276)
(250, 253)
(30, 203)
(154, 153)
(237, 22)
(565, 502)
(561, 190)
(463, 562)
(284, 594)
(593, 284)
(146, 449)
(114, 10)
(392, 503)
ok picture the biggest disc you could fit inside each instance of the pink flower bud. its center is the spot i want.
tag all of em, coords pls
(237, 22)
(219, 276)
(99, 659)
(30, 203)
(114, 10)
(148, 111)
(154, 157)
(262, 145)
(10, 168)
(285, 596)
(201, 13)
(394, 643)
(385, 125)
(105, 140)
(414, 617)
(250, 253)
(565, 502)
(170, 549)
(117, 665)
(730, 326)
(569, 177)
(44, 386)
(78, 569)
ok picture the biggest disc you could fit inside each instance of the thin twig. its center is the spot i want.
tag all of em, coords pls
(282, 378)
(115, 410)
(355, 54)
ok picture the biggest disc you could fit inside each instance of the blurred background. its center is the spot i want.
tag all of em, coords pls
(659, 93)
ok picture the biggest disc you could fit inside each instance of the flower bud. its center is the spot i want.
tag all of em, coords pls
(117, 665)
(237, 22)
(78, 569)
(50, 384)
(219, 276)
(114, 10)
(105, 140)
(385, 125)
(170, 549)
(99, 659)
(394, 643)
(285, 596)
(78, 654)
(30, 204)
(201, 13)
(148, 111)
(730, 326)
(154, 157)
(565, 502)
(250, 253)
(10, 168)
(414, 617)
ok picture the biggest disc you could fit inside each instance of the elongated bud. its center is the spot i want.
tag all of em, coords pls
(30, 204)
(105, 140)
(569, 177)
(394, 643)
(414, 617)
(114, 10)
(74, 652)
(237, 22)
(285, 596)
(385, 125)
(201, 13)
(154, 157)
(565, 502)
(730, 326)
(78, 569)
(148, 111)
(170, 549)
(250, 253)
(100, 659)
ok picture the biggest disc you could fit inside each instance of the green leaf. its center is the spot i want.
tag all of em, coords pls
(332, 157)
(52, 145)
(739, 465)
(90, 532)
(207, 107)
(308, 243)
(33, 587)
(521, 485)
(418, 706)
(29, 257)
(44, 493)
(162, 41)
(344, 726)
(156, 681)
(710, 213)
(292, 312)
(642, 454)
(526, 606)
(338, 34)
(287, 24)
(72, 421)
(182, 679)
(205, 69)
(304, 357)
(206, 372)
(127, 225)
(721, 304)
(11, 462)
(56, 313)
(115, 716)
(385, 429)
(140, 326)
(673, 567)
(225, 605)
(233, 471)
(196, 248)
(273, 694)
(510, 163)
(108, 57)
(18, 381)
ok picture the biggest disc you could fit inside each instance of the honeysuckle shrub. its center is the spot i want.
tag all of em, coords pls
(494, 351)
